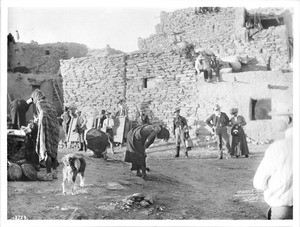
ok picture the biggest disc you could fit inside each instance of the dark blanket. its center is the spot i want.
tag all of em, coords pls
(97, 141)
(48, 130)
(18, 109)
(239, 142)
(135, 150)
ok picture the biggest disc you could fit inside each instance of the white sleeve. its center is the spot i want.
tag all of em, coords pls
(104, 124)
(112, 123)
(264, 170)
(197, 66)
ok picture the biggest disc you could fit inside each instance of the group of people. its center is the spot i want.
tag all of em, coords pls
(209, 65)
(74, 124)
(46, 123)
(274, 175)
(219, 122)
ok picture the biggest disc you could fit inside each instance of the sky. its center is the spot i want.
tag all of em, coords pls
(94, 27)
(116, 23)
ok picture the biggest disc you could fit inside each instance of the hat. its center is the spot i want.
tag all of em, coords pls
(216, 107)
(177, 110)
(234, 111)
(107, 112)
(200, 56)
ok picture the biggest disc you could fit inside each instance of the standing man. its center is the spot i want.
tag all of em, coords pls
(202, 64)
(102, 118)
(81, 127)
(215, 66)
(66, 122)
(218, 121)
(274, 175)
(179, 123)
(108, 125)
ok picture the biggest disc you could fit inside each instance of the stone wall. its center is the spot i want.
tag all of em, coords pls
(39, 59)
(220, 32)
(93, 83)
(98, 83)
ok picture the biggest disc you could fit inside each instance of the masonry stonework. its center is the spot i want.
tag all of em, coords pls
(98, 83)
(221, 32)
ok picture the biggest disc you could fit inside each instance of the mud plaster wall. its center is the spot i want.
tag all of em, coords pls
(19, 86)
(98, 83)
(41, 68)
(33, 56)
(223, 33)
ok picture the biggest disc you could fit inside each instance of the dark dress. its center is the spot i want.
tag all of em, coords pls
(239, 143)
(18, 109)
(136, 144)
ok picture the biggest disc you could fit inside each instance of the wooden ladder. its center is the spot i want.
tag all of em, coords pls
(56, 90)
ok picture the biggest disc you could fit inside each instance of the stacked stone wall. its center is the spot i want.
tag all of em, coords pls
(94, 83)
(220, 32)
(98, 83)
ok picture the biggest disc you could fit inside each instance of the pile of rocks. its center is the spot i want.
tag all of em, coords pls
(137, 200)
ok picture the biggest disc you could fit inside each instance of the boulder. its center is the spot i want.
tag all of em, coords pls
(29, 171)
(234, 62)
(14, 172)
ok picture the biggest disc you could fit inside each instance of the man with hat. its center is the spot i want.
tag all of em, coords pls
(215, 66)
(202, 64)
(218, 121)
(81, 127)
(108, 125)
(179, 123)
(274, 175)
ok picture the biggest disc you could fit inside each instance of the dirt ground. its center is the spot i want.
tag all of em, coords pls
(195, 188)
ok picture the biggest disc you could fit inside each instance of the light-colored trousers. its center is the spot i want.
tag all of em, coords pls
(179, 136)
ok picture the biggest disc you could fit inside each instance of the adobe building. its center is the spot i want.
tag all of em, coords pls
(157, 78)
(32, 66)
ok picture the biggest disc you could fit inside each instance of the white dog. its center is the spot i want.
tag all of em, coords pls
(73, 165)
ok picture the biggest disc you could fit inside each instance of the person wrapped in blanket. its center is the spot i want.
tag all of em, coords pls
(139, 139)
(48, 133)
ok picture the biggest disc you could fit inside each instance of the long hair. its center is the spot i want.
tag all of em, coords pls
(163, 134)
